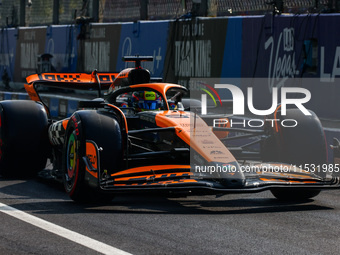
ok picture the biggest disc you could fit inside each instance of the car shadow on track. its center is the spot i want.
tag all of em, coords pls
(49, 198)
(235, 204)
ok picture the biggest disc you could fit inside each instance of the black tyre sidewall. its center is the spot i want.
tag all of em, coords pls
(300, 145)
(105, 132)
(24, 142)
(295, 194)
(303, 144)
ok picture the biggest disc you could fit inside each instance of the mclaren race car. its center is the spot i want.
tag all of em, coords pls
(142, 136)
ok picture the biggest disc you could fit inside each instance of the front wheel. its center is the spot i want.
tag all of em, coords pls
(74, 174)
(303, 144)
(295, 194)
(86, 132)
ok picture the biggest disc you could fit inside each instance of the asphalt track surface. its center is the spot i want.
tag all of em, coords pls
(139, 224)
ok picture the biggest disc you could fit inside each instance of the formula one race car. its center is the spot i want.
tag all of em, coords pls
(141, 137)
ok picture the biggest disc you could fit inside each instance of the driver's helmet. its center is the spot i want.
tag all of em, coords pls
(146, 101)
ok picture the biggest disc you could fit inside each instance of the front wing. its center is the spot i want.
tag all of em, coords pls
(174, 178)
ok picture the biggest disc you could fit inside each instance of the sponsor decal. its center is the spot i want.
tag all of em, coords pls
(281, 66)
(91, 154)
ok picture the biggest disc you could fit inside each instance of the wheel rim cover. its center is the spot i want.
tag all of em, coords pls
(71, 156)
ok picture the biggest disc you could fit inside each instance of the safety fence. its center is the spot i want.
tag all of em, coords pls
(46, 12)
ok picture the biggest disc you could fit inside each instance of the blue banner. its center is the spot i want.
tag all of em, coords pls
(61, 43)
(144, 39)
(232, 57)
(303, 46)
(8, 44)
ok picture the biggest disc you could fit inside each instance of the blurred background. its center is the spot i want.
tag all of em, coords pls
(15, 13)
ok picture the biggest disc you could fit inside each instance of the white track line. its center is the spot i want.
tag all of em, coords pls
(60, 231)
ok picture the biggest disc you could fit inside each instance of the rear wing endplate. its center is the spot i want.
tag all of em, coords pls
(77, 81)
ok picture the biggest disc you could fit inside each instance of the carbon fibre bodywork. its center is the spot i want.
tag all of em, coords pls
(164, 150)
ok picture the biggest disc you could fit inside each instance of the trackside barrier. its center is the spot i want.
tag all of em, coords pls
(264, 46)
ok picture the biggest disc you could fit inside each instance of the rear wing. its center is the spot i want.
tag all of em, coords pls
(77, 81)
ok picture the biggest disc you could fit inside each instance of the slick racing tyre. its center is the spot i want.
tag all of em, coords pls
(295, 194)
(84, 127)
(303, 144)
(23, 138)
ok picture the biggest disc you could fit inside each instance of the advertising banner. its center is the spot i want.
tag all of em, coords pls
(328, 91)
(195, 49)
(144, 39)
(61, 43)
(232, 57)
(99, 51)
(282, 47)
(30, 45)
(7, 52)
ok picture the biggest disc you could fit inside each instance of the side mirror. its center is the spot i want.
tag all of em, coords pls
(336, 151)
(190, 104)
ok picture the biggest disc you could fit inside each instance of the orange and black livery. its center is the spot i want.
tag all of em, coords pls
(141, 136)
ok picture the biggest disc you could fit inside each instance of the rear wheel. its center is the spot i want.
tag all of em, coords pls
(299, 145)
(23, 138)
